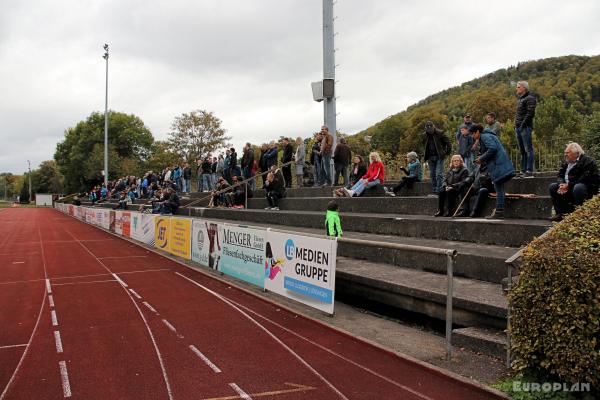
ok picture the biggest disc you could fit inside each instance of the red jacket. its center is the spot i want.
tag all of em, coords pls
(375, 171)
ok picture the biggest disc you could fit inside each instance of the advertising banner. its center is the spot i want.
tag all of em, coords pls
(147, 229)
(88, 215)
(301, 268)
(126, 223)
(71, 210)
(162, 232)
(119, 222)
(136, 226)
(181, 231)
(206, 243)
(243, 253)
(111, 220)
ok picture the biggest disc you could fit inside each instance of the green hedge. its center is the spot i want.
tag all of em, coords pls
(555, 324)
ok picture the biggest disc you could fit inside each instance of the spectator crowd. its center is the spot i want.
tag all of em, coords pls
(479, 167)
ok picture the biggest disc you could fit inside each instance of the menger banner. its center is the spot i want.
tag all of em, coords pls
(301, 268)
(162, 232)
(243, 253)
(181, 230)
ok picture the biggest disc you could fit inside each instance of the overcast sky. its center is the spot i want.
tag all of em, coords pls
(251, 61)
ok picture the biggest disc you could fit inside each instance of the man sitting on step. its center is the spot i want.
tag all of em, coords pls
(578, 180)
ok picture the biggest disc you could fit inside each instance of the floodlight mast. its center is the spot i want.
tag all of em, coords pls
(329, 68)
(105, 56)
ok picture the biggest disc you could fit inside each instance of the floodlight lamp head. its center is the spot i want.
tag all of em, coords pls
(106, 46)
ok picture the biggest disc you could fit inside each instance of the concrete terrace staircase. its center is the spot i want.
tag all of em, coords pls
(379, 277)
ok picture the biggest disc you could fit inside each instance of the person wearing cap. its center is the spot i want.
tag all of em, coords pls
(437, 147)
(524, 127)
(497, 163)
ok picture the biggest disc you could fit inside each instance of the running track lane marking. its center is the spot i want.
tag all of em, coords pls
(13, 345)
(64, 375)
(82, 283)
(172, 328)
(3, 394)
(54, 319)
(150, 307)
(59, 348)
(238, 390)
(51, 300)
(119, 257)
(401, 386)
(48, 287)
(298, 388)
(158, 355)
(306, 364)
(18, 262)
(205, 359)
(135, 294)
(119, 280)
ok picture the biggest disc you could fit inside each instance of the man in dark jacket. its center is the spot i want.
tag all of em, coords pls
(187, 178)
(171, 202)
(274, 190)
(247, 161)
(524, 127)
(578, 180)
(342, 156)
(437, 148)
(287, 156)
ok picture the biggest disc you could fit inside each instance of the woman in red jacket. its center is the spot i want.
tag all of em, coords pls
(374, 176)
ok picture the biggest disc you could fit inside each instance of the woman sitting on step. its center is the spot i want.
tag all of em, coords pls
(374, 176)
(456, 184)
(414, 173)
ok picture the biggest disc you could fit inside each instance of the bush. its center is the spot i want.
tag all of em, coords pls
(555, 324)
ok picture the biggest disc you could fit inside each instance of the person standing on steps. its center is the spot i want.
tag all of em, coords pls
(437, 148)
(497, 163)
(524, 127)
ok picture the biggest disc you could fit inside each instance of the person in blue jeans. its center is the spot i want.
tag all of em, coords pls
(437, 148)
(497, 164)
(524, 127)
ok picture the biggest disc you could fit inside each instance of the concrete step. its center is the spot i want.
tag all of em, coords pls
(509, 233)
(475, 303)
(488, 341)
(535, 208)
(537, 185)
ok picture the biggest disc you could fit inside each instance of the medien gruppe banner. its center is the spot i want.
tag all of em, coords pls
(206, 243)
(243, 253)
(301, 268)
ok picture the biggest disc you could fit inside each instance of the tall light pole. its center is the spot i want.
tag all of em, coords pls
(329, 69)
(29, 163)
(105, 56)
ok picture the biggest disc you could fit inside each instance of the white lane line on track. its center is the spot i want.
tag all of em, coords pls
(18, 262)
(58, 341)
(366, 369)
(54, 319)
(150, 307)
(51, 300)
(48, 287)
(13, 345)
(141, 314)
(240, 392)
(172, 328)
(205, 359)
(135, 294)
(92, 275)
(37, 323)
(120, 281)
(292, 352)
(64, 376)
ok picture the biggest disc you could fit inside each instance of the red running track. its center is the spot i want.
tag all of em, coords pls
(87, 315)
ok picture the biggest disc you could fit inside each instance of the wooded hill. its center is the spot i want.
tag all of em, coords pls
(568, 91)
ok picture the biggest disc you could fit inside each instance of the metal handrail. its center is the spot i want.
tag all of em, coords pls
(63, 199)
(229, 188)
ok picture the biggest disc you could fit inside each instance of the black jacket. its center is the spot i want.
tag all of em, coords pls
(458, 180)
(441, 142)
(342, 155)
(525, 111)
(288, 153)
(275, 186)
(187, 173)
(362, 170)
(248, 158)
(584, 171)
